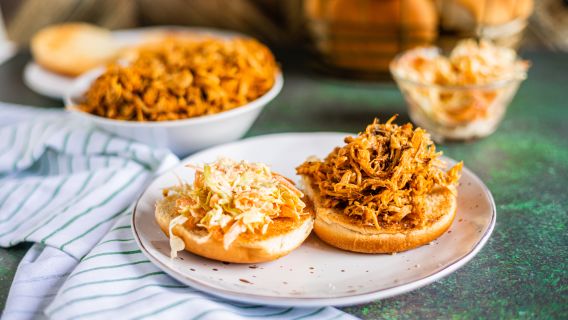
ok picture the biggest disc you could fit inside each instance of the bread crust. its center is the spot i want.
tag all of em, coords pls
(283, 236)
(73, 48)
(347, 233)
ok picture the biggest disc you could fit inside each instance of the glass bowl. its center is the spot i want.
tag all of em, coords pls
(457, 113)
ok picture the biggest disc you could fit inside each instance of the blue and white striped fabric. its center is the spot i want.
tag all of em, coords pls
(69, 189)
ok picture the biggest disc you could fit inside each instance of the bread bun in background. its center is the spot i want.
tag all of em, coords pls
(467, 14)
(282, 236)
(348, 233)
(72, 48)
(501, 21)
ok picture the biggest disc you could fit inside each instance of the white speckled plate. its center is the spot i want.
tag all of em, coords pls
(53, 85)
(315, 274)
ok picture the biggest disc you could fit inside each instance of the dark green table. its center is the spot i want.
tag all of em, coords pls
(522, 272)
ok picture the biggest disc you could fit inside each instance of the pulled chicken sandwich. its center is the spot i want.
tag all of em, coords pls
(385, 190)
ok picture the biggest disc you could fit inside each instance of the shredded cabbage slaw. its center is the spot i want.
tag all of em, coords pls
(234, 197)
(470, 63)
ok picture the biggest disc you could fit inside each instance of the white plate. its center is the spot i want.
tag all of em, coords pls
(315, 274)
(45, 82)
(55, 86)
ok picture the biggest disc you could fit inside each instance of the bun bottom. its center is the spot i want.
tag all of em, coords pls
(347, 233)
(282, 236)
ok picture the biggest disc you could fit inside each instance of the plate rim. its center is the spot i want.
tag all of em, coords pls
(314, 302)
(31, 82)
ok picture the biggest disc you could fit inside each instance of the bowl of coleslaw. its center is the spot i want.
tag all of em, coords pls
(461, 96)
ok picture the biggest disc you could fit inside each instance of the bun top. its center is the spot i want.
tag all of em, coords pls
(72, 48)
(58, 36)
(495, 12)
(382, 176)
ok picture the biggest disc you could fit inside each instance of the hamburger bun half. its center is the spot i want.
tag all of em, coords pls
(348, 233)
(71, 49)
(283, 235)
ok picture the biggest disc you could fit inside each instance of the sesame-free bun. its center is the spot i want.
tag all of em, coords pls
(348, 233)
(283, 235)
(71, 49)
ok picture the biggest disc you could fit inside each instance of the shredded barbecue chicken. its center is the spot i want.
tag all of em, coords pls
(382, 176)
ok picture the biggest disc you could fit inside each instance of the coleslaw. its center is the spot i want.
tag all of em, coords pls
(229, 197)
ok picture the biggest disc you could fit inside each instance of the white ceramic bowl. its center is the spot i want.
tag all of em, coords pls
(182, 137)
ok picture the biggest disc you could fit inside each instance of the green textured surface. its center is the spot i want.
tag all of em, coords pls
(9, 259)
(522, 272)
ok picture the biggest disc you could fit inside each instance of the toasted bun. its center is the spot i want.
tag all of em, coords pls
(72, 48)
(282, 236)
(348, 233)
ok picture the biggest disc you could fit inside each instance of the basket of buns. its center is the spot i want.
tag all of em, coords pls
(359, 38)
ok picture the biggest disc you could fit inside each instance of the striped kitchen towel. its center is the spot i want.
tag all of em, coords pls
(69, 188)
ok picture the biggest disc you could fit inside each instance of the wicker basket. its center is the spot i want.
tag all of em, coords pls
(359, 38)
